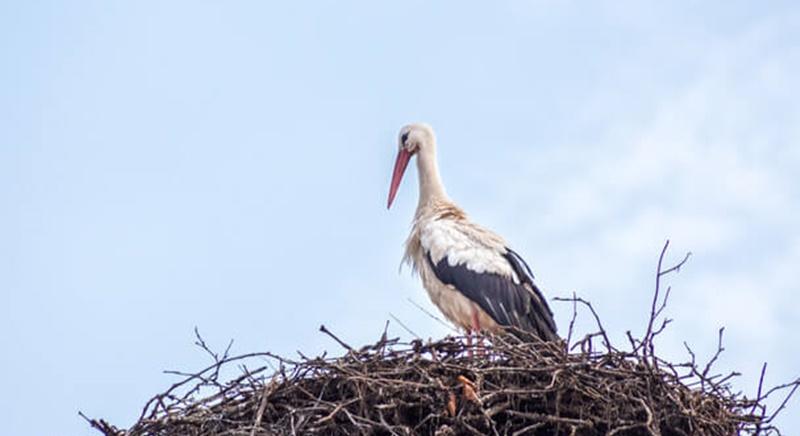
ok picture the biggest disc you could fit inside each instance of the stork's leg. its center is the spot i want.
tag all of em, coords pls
(469, 343)
(476, 327)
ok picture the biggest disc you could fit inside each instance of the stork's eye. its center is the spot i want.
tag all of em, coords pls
(404, 137)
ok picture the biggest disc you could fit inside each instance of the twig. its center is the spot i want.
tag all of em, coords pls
(427, 312)
(646, 343)
(408, 330)
(602, 330)
(572, 321)
(323, 329)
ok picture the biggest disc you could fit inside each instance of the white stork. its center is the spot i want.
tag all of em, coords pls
(469, 272)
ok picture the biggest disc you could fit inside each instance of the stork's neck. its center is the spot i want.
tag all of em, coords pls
(431, 188)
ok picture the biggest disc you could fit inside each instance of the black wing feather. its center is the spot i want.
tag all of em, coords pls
(543, 312)
(509, 304)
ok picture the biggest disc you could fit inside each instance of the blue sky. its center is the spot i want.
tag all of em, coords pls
(166, 165)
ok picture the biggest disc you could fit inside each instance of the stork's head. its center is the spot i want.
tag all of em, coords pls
(413, 138)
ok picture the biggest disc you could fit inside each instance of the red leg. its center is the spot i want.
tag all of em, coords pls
(476, 326)
(469, 343)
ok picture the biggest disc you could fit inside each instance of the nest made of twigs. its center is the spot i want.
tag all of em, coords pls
(509, 385)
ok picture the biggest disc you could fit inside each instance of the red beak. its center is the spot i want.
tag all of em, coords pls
(403, 156)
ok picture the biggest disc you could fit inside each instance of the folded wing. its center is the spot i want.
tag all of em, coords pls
(477, 264)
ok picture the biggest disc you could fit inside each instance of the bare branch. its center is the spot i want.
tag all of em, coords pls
(324, 329)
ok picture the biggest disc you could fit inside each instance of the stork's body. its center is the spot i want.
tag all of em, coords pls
(469, 272)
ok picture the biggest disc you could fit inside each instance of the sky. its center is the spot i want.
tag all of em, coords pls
(225, 165)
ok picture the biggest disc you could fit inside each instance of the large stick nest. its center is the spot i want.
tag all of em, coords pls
(509, 385)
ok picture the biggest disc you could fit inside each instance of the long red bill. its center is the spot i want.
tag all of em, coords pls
(403, 156)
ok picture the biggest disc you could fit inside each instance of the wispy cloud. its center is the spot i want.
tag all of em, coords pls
(714, 167)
